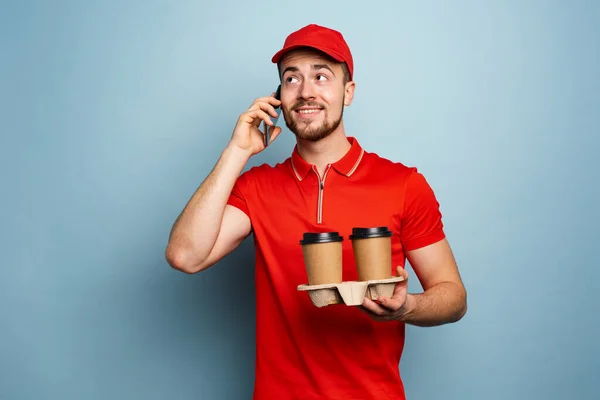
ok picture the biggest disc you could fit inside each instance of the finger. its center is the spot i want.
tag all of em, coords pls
(391, 304)
(401, 286)
(264, 103)
(398, 298)
(264, 107)
(375, 308)
(269, 99)
(402, 272)
(275, 131)
(373, 316)
(254, 117)
(399, 295)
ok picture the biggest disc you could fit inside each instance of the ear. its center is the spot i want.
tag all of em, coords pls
(349, 93)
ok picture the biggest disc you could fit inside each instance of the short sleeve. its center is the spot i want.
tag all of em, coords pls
(237, 197)
(421, 219)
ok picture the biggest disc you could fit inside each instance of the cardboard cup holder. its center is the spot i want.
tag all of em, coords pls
(323, 261)
(351, 293)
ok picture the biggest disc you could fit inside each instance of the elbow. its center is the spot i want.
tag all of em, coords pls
(182, 260)
(460, 313)
(462, 309)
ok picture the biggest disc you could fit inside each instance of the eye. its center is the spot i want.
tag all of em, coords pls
(321, 76)
(290, 79)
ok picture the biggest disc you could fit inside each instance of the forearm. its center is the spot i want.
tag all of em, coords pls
(441, 304)
(195, 231)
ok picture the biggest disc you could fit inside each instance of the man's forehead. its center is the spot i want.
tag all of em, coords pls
(306, 56)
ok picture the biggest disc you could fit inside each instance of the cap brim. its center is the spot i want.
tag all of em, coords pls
(333, 54)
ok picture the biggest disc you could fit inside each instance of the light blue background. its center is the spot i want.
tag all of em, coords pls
(113, 113)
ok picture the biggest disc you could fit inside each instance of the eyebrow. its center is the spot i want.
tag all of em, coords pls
(315, 67)
(322, 66)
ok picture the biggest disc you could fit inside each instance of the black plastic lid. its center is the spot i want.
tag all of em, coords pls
(321, 237)
(369, 233)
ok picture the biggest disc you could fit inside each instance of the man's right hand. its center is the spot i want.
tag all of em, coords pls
(247, 135)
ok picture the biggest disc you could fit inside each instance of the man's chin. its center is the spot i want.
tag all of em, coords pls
(311, 130)
(312, 135)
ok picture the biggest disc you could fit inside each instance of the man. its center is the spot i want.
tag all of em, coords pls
(329, 183)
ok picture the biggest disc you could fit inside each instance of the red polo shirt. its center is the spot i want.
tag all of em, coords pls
(334, 352)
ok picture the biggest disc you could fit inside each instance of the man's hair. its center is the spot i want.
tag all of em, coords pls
(345, 70)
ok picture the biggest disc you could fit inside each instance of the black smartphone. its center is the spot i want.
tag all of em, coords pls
(278, 111)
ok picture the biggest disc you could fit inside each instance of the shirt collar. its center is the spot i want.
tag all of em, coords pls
(345, 165)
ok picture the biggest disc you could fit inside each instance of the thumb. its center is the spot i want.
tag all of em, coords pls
(402, 272)
(275, 131)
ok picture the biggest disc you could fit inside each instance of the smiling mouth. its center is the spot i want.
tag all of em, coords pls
(308, 110)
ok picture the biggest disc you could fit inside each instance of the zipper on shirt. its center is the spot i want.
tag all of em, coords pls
(321, 191)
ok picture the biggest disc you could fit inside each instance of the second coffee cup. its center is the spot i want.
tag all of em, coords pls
(322, 257)
(372, 252)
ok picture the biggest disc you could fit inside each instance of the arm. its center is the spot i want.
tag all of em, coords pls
(444, 299)
(208, 229)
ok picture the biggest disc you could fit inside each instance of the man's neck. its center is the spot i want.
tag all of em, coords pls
(325, 151)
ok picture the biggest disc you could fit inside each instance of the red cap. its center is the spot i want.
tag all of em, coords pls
(321, 38)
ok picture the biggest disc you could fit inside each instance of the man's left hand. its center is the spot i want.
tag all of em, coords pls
(386, 308)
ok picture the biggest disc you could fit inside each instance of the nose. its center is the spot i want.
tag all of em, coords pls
(306, 92)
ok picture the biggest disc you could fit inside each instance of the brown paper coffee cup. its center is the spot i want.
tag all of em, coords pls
(372, 249)
(322, 257)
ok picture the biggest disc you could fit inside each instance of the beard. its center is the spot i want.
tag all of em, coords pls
(310, 133)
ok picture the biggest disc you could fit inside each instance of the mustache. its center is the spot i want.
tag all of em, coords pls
(307, 104)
